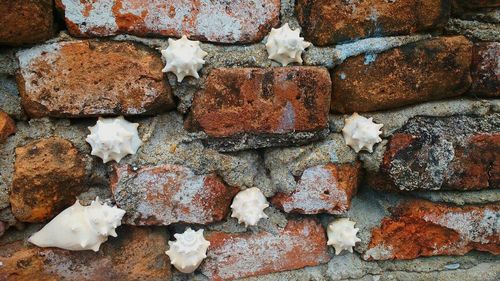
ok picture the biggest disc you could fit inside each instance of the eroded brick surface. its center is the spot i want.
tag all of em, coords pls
(231, 256)
(240, 21)
(49, 174)
(426, 70)
(327, 22)
(91, 78)
(460, 153)
(421, 228)
(137, 254)
(7, 126)
(262, 102)
(486, 69)
(26, 21)
(167, 194)
(322, 189)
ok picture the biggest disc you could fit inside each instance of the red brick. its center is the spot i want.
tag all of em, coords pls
(327, 22)
(322, 189)
(166, 194)
(475, 164)
(137, 254)
(486, 69)
(426, 70)
(26, 22)
(420, 229)
(230, 256)
(237, 21)
(48, 175)
(7, 126)
(73, 79)
(271, 101)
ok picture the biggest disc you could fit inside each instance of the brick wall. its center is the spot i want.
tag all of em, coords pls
(426, 200)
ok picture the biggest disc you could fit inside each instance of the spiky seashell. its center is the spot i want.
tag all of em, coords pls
(188, 251)
(113, 138)
(285, 45)
(342, 235)
(248, 206)
(184, 58)
(361, 132)
(80, 227)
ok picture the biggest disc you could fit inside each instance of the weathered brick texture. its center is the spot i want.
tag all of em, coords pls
(26, 21)
(265, 103)
(91, 78)
(231, 256)
(448, 153)
(426, 70)
(322, 189)
(139, 254)
(49, 174)
(7, 126)
(240, 21)
(421, 228)
(486, 69)
(166, 194)
(327, 22)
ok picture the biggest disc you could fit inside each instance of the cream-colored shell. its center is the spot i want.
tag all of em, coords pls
(188, 251)
(285, 45)
(113, 138)
(342, 235)
(80, 227)
(248, 206)
(361, 133)
(184, 57)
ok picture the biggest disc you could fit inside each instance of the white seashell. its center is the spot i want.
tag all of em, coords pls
(188, 251)
(342, 235)
(248, 206)
(184, 58)
(113, 138)
(361, 132)
(285, 45)
(80, 227)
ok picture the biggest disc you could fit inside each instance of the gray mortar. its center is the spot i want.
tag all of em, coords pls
(474, 30)
(486, 15)
(10, 101)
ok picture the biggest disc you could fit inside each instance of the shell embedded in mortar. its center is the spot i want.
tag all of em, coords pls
(188, 251)
(361, 133)
(285, 45)
(113, 138)
(80, 227)
(248, 206)
(342, 235)
(184, 57)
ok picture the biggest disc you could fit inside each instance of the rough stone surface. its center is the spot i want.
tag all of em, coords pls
(326, 22)
(266, 103)
(231, 256)
(475, 4)
(137, 254)
(486, 69)
(48, 175)
(239, 21)
(72, 79)
(474, 30)
(422, 228)
(7, 126)
(322, 189)
(422, 71)
(10, 101)
(447, 153)
(167, 194)
(26, 22)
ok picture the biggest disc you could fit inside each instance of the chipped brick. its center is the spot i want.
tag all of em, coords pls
(72, 79)
(166, 194)
(486, 69)
(7, 126)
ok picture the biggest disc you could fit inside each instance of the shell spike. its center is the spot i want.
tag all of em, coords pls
(188, 251)
(248, 206)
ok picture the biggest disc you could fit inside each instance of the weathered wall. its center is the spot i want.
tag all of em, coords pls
(426, 200)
